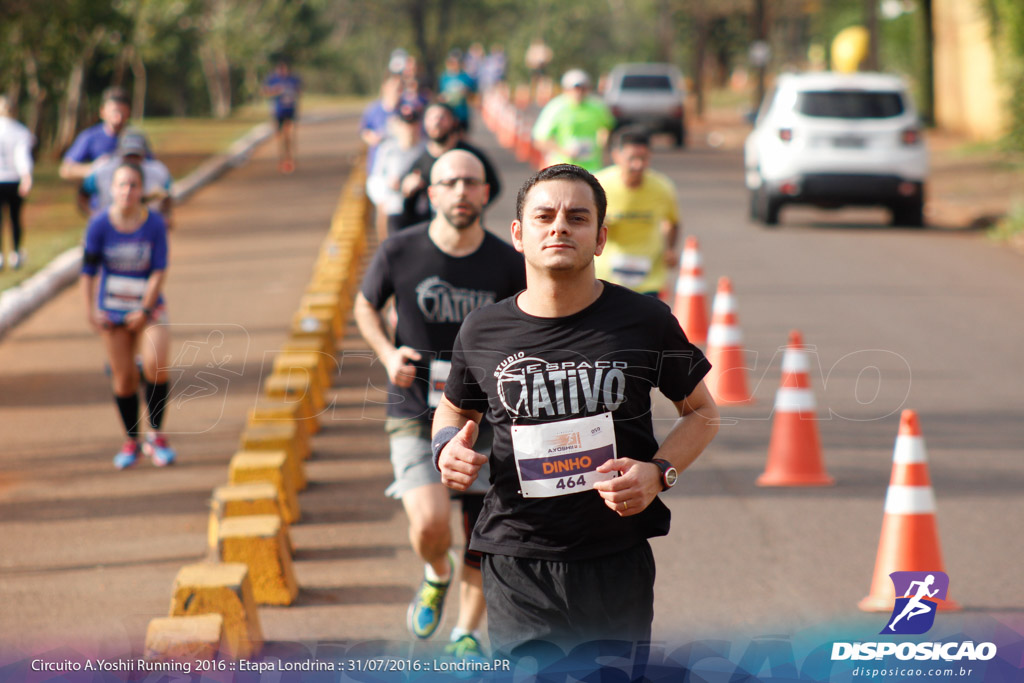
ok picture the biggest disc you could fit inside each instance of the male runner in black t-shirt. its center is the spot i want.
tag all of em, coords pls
(438, 273)
(564, 372)
(443, 135)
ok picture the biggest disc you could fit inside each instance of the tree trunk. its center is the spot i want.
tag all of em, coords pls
(217, 76)
(36, 96)
(139, 84)
(666, 30)
(67, 122)
(700, 25)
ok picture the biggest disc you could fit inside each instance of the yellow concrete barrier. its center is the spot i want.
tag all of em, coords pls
(317, 343)
(225, 589)
(293, 387)
(185, 639)
(239, 500)
(260, 541)
(328, 303)
(271, 411)
(279, 437)
(312, 327)
(247, 467)
(314, 362)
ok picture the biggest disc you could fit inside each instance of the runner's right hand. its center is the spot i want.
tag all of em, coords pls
(97, 320)
(400, 371)
(458, 462)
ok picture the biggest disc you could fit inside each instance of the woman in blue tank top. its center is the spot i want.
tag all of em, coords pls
(123, 271)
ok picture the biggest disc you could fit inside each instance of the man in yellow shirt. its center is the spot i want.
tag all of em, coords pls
(643, 219)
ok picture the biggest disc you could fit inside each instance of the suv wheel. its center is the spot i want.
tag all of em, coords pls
(768, 205)
(910, 214)
(680, 135)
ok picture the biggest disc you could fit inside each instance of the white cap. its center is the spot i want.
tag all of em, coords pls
(574, 78)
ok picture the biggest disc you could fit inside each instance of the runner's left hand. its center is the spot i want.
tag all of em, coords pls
(638, 484)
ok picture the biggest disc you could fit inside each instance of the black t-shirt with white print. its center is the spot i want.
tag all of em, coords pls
(433, 293)
(523, 370)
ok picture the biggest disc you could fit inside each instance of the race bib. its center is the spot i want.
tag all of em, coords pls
(123, 293)
(559, 458)
(629, 270)
(583, 148)
(439, 370)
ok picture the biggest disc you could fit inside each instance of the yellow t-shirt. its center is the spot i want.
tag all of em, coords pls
(634, 255)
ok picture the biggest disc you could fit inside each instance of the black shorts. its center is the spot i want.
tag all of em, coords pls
(568, 603)
(284, 117)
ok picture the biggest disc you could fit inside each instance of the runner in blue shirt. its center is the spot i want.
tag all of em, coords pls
(99, 142)
(284, 87)
(123, 271)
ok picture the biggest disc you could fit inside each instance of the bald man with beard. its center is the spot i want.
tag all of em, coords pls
(437, 272)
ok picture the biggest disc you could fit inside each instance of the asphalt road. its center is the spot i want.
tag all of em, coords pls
(922, 319)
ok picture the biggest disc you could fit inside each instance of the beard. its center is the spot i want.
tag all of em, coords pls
(442, 137)
(461, 221)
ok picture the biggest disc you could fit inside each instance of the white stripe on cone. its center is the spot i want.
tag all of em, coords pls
(688, 286)
(794, 361)
(792, 400)
(909, 500)
(691, 259)
(910, 450)
(724, 336)
(724, 303)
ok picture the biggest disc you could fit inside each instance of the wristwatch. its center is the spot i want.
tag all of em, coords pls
(669, 474)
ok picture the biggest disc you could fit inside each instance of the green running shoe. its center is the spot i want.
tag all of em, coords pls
(427, 607)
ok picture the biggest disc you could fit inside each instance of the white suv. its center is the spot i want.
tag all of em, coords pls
(831, 140)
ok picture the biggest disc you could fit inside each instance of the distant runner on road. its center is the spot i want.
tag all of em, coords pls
(573, 128)
(643, 217)
(95, 192)
(443, 134)
(98, 143)
(284, 87)
(124, 266)
(438, 273)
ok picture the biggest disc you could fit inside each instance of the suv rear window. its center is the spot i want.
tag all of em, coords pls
(646, 82)
(850, 104)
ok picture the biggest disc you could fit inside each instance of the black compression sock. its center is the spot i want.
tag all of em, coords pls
(156, 400)
(128, 406)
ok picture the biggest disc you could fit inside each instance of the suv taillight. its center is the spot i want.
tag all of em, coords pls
(910, 136)
(785, 134)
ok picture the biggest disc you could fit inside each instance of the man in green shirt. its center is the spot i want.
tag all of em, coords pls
(573, 128)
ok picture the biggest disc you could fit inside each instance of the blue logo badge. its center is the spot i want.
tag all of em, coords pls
(917, 596)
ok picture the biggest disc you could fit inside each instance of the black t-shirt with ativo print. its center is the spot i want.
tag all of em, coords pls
(433, 293)
(523, 371)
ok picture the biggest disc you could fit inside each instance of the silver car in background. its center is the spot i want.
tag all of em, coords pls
(651, 95)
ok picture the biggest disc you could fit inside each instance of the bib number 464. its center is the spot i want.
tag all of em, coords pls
(571, 482)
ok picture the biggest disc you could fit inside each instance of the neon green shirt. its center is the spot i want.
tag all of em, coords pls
(575, 125)
(634, 254)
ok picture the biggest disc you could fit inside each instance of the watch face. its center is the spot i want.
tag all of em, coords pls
(670, 477)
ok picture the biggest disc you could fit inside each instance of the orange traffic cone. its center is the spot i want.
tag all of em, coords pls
(524, 142)
(508, 119)
(690, 308)
(794, 452)
(727, 379)
(910, 537)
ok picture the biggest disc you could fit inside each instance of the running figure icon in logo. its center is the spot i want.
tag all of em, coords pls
(920, 593)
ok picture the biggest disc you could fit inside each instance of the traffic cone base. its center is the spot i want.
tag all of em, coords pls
(915, 539)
